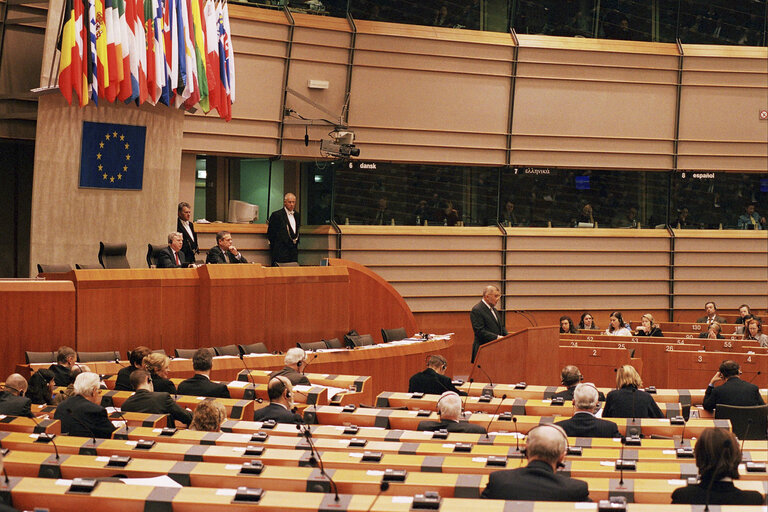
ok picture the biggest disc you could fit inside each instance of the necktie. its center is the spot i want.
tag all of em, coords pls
(177, 258)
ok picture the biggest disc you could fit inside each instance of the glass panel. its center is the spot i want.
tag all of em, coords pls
(470, 14)
(739, 22)
(317, 178)
(555, 17)
(249, 180)
(625, 19)
(198, 208)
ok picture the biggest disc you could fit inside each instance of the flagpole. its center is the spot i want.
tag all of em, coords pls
(54, 61)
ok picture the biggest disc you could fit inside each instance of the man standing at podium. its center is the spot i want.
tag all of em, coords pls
(486, 321)
(283, 232)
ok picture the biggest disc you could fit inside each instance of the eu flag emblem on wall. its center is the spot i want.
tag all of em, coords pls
(112, 156)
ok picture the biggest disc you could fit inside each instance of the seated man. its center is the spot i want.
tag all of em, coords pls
(172, 256)
(295, 358)
(135, 358)
(280, 392)
(81, 415)
(12, 399)
(710, 308)
(546, 447)
(733, 391)
(433, 381)
(224, 251)
(569, 377)
(200, 384)
(147, 400)
(584, 423)
(65, 360)
(449, 409)
(714, 331)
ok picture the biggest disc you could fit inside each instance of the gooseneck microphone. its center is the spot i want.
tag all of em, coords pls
(503, 397)
(383, 487)
(49, 437)
(250, 377)
(117, 362)
(621, 457)
(754, 376)
(490, 381)
(517, 434)
(315, 456)
(82, 424)
(469, 389)
(122, 417)
(304, 370)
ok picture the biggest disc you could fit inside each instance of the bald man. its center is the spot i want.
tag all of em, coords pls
(449, 409)
(12, 399)
(280, 408)
(283, 232)
(486, 321)
(545, 447)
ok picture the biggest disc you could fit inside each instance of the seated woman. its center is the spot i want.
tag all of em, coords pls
(616, 326)
(566, 325)
(208, 416)
(41, 385)
(718, 457)
(753, 332)
(587, 322)
(157, 365)
(627, 401)
(649, 327)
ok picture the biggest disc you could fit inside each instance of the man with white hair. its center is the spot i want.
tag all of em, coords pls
(283, 232)
(82, 414)
(449, 409)
(295, 358)
(545, 447)
(172, 256)
(487, 323)
(584, 423)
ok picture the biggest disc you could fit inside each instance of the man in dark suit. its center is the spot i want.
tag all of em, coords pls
(135, 362)
(710, 308)
(733, 391)
(584, 423)
(295, 358)
(12, 399)
(283, 232)
(200, 384)
(714, 332)
(186, 227)
(66, 358)
(449, 409)
(81, 414)
(546, 447)
(147, 400)
(570, 376)
(433, 381)
(224, 251)
(172, 256)
(486, 321)
(280, 392)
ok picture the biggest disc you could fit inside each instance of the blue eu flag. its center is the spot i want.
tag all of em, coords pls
(112, 156)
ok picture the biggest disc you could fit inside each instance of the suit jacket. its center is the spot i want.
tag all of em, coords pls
(486, 327)
(718, 319)
(163, 385)
(705, 335)
(62, 375)
(584, 424)
(535, 482)
(91, 415)
(278, 413)
(216, 255)
(567, 394)
(156, 403)
(722, 493)
(733, 391)
(655, 331)
(165, 259)
(189, 244)
(200, 385)
(451, 426)
(14, 405)
(292, 375)
(432, 383)
(123, 382)
(630, 402)
(283, 241)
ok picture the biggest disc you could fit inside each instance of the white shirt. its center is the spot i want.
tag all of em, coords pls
(291, 219)
(185, 224)
(493, 311)
(621, 331)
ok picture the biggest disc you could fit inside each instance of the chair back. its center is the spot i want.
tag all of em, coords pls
(287, 264)
(153, 250)
(312, 345)
(360, 340)
(227, 350)
(188, 353)
(91, 357)
(52, 269)
(253, 348)
(334, 343)
(113, 255)
(393, 334)
(746, 422)
(85, 266)
(40, 357)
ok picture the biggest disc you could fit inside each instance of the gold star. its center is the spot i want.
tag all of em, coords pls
(127, 145)
(98, 156)
(101, 144)
(105, 175)
(127, 157)
(119, 176)
(125, 168)
(111, 179)
(106, 136)
(122, 137)
(101, 167)
(114, 134)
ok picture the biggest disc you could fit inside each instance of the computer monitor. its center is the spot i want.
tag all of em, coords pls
(241, 212)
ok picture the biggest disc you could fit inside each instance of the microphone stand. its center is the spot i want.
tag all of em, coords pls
(503, 397)
(490, 381)
(250, 377)
(46, 436)
(315, 456)
(304, 370)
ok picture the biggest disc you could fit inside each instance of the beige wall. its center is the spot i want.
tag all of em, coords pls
(67, 221)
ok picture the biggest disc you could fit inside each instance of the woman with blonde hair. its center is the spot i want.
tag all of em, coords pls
(627, 400)
(157, 365)
(208, 416)
(648, 326)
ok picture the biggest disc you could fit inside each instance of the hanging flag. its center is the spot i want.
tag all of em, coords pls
(112, 156)
(101, 48)
(211, 20)
(230, 52)
(68, 74)
(92, 64)
(198, 33)
(112, 30)
(126, 43)
(161, 73)
(223, 104)
(181, 77)
(141, 48)
(190, 95)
